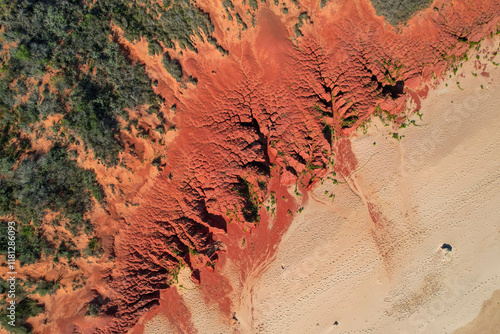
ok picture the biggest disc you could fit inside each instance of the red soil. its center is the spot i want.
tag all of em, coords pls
(251, 121)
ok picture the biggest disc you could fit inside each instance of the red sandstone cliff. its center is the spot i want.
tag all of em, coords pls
(267, 115)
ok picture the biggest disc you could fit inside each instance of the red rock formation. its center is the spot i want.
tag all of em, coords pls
(263, 117)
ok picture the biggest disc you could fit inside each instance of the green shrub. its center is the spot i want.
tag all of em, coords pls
(399, 11)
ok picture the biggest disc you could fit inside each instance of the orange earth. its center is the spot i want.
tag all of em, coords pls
(276, 111)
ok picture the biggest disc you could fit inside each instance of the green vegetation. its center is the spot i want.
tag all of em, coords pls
(50, 181)
(174, 274)
(94, 247)
(154, 22)
(31, 244)
(25, 308)
(228, 4)
(349, 121)
(67, 36)
(251, 203)
(89, 79)
(296, 191)
(311, 166)
(399, 11)
(323, 3)
(396, 136)
(45, 287)
(193, 251)
(173, 67)
(385, 117)
(271, 205)
(253, 4)
(95, 77)
(46, 182)
(93, 309)
(302, 17)
(240, 21)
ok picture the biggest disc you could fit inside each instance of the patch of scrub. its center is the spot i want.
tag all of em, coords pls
(399, 11)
